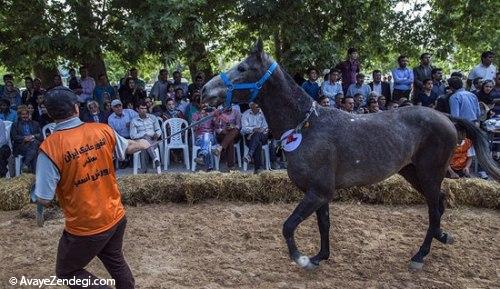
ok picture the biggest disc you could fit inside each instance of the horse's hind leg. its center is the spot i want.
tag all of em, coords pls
(430, 186)
(311, 203)
(323, 217)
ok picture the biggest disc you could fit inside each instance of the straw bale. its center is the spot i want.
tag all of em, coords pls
(14, 193)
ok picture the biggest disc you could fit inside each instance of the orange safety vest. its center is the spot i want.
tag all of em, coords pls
(87, 191)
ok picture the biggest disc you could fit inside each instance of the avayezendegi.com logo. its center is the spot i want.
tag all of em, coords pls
(54, 281)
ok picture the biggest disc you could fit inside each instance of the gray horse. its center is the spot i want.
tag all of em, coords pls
(341, 150)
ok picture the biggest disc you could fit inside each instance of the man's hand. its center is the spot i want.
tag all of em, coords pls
(454, 175)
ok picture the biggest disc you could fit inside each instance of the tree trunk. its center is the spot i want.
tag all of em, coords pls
(96, 66)
(197, 57)
(46, 74)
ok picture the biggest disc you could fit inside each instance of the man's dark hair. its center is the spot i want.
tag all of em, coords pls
(455, 82)
(320, 99)
(401, 57)
(5, 101)
(425, 80)
(176, 72)
(351, 50)
(424, 54)
(198, 77)
(360, 75)
(436, 70)
(163, 70)
(60, 102)
(376, 71)
(133, 69)
(334, 70)
(8, 77)
(101, 75)
(476, 81)
(83, 67)
(487, 54)
(142, 103)
(457, 74)
(28, 78)
(179, 88)
(311, 69)
(347, 97)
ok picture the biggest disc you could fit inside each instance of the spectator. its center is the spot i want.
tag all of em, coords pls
(171, 91)
(40, 114)
(373, 106)
(26, 136)
(485, 70)
(73, 82)
(392, 105)
(438, 87)
(311, 86)
(496, 95)
(359, 87)
(31, 110)
(338, 100)
(255, 135)
(380, 87)
(426, 97)
(178, 83)
(331, 87)
(348, 104)
(421, 73)
(486, 99)
(349, 69)
(463, 103)
(103, 91)
(6, 113)
(134, 74)
(131, 94)
(205, 138)
(121, 117)
(160, 87)
(443, 101)
(462, 158)
(172, 111)
(476, 84)
(6, 77)
(180, 101)
(146, 126)
(324, 101)
(198, 83)
(12, 94)
(28, 95)
(359, 102)
(57, 81)
(403, 79)
(94, 113)
(193, 106)
(4, 150)
(149, 104)
(228, 125)
(382, 102)
(87, 84)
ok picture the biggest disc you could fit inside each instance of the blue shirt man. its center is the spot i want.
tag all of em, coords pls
(120, 119)
(359, 87)
(464, 104)
(311, 86)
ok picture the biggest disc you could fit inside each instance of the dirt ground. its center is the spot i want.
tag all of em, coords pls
(235, 245)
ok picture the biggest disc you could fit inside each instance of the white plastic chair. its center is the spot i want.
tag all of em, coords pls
(237, 151)
(48, 129)
(265, 152)
(179, 141)
(137, 160)
(18, 160)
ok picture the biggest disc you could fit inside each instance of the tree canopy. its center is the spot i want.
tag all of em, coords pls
(209, 35)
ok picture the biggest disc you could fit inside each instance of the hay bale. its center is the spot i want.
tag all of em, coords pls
(273, 186)
(14, 193)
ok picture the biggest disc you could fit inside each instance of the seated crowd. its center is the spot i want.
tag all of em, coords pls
(134, 114)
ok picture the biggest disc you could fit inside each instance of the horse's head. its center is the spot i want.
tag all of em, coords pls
(249, 71)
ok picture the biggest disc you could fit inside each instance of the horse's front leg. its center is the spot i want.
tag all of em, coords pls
(306, 207)
(323, 217)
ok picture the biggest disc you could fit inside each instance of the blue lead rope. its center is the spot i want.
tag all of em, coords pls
(254, 87)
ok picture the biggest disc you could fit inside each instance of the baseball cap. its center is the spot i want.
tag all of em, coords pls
(116, 102)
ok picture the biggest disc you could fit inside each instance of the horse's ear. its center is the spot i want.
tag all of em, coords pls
(258, 48)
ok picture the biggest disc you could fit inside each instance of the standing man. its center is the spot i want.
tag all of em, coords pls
(422, 72)
(381, 88)
(438, 86)
(76, 163)
(311, 86)
(484, 70)
(349, 69)
(88, 84)
(332, 87)
(463, 104)
(403, 79)
(160, 88)
(179, 84)
(134, 73)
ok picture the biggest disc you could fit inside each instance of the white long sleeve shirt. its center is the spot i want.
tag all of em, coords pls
(249, 121)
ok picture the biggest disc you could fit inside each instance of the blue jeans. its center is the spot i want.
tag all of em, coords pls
(205, 141)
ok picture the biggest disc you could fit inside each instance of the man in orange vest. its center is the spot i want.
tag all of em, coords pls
(76, 163)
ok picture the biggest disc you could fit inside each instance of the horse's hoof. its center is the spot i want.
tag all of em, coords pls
(417, 266)
(305, 263)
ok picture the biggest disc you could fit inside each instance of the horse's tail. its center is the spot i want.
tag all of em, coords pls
(481, 146)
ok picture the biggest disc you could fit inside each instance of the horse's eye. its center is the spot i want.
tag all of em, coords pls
(241, 69)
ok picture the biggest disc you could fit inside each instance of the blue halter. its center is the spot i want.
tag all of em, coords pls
(253, 87)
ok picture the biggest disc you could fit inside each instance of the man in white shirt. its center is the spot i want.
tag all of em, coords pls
(87, 83)
(486, 70)
(332, 86)
(255, 130)
(146, 126)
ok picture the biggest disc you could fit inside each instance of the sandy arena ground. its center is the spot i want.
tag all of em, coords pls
(235, 245)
